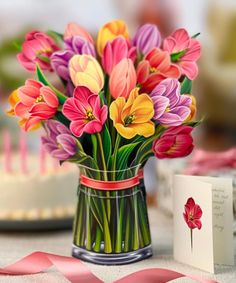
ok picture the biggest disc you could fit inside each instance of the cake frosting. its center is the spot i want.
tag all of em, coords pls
(38, 196)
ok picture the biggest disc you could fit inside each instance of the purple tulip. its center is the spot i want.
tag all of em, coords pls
(58, 140)
(171, 108)
(146, 38)
(73, 45)
(59, 63)
(79, 45)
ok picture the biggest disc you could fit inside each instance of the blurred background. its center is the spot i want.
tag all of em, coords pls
(215, 88)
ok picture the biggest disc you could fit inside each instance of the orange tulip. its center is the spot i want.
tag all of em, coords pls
(73, 29)
(86, 71)
(123, 79)
(109, 32)
(133, 117)
(193, 109)
(13, 100)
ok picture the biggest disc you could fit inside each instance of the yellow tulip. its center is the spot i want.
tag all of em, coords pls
(109, 32)
(133, 117)
(86, 71)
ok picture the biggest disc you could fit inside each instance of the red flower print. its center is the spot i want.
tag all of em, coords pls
(192, 214)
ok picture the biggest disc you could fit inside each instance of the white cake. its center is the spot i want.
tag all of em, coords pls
(38, 196)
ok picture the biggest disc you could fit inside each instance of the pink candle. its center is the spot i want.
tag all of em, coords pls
(42, 159)
(23, 152)
(7, 151)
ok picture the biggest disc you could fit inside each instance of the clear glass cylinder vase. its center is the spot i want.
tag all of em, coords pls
(111, 223)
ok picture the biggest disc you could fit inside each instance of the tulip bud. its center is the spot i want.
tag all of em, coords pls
(114, 52)
(146, 38)
(174, 142)
(73, 29)
(109, 32)
(123, 79)
(86, 71)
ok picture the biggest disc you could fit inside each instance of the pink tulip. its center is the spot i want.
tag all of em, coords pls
(174, 142)
(184, 51)
(36, 103)
(123, 79)
(73, 29)
(85, 112)
(37, 48)
(115, 51)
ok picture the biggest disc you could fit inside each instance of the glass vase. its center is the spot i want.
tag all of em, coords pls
(111, 223)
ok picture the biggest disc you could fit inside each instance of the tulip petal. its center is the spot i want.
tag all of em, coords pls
(126, 132)
(77, 127)
(144, 129)
(190, 69)
(49, 96)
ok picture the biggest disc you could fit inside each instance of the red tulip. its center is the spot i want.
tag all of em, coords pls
(156, 67)
(175, 142)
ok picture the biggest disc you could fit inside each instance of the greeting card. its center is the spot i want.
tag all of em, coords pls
(203, 217)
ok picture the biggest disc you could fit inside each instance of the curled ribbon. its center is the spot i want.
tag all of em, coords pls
(76, 272)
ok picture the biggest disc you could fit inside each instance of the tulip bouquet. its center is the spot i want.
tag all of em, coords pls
(121, 101)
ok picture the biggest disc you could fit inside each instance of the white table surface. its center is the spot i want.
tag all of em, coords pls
(16, 245)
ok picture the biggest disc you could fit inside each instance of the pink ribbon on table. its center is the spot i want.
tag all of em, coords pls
(203, 161)
(77, 272)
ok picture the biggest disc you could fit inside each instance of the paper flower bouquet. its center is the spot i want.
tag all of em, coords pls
(121, 101)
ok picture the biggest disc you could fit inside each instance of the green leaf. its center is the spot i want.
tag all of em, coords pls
(123, 155)
(41, 77)
(176, 56)
(196, 35)
(18, 45)
(58, 37)
(43, 58)
(186, 86)
(81, 158)
(106, 138)
(146, 146)
(102, 97)
(194, 123)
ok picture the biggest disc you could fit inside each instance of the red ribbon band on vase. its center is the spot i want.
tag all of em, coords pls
(76, 272)
(109, 185)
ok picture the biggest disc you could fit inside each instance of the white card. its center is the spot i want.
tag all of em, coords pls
(203, 237)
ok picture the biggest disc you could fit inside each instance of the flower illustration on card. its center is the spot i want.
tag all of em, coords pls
(192, 215)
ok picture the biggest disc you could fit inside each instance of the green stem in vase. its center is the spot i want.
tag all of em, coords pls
(88, 222)
(118, 139)
(119, 208)
(78, 220)
(144, 224)
(98, 239)
(127, 232)
(105, 175)
(106, 216)
(136, 222)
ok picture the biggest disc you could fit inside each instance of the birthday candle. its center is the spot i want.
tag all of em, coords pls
(23, 151)
(42, 159)
(7, 151)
